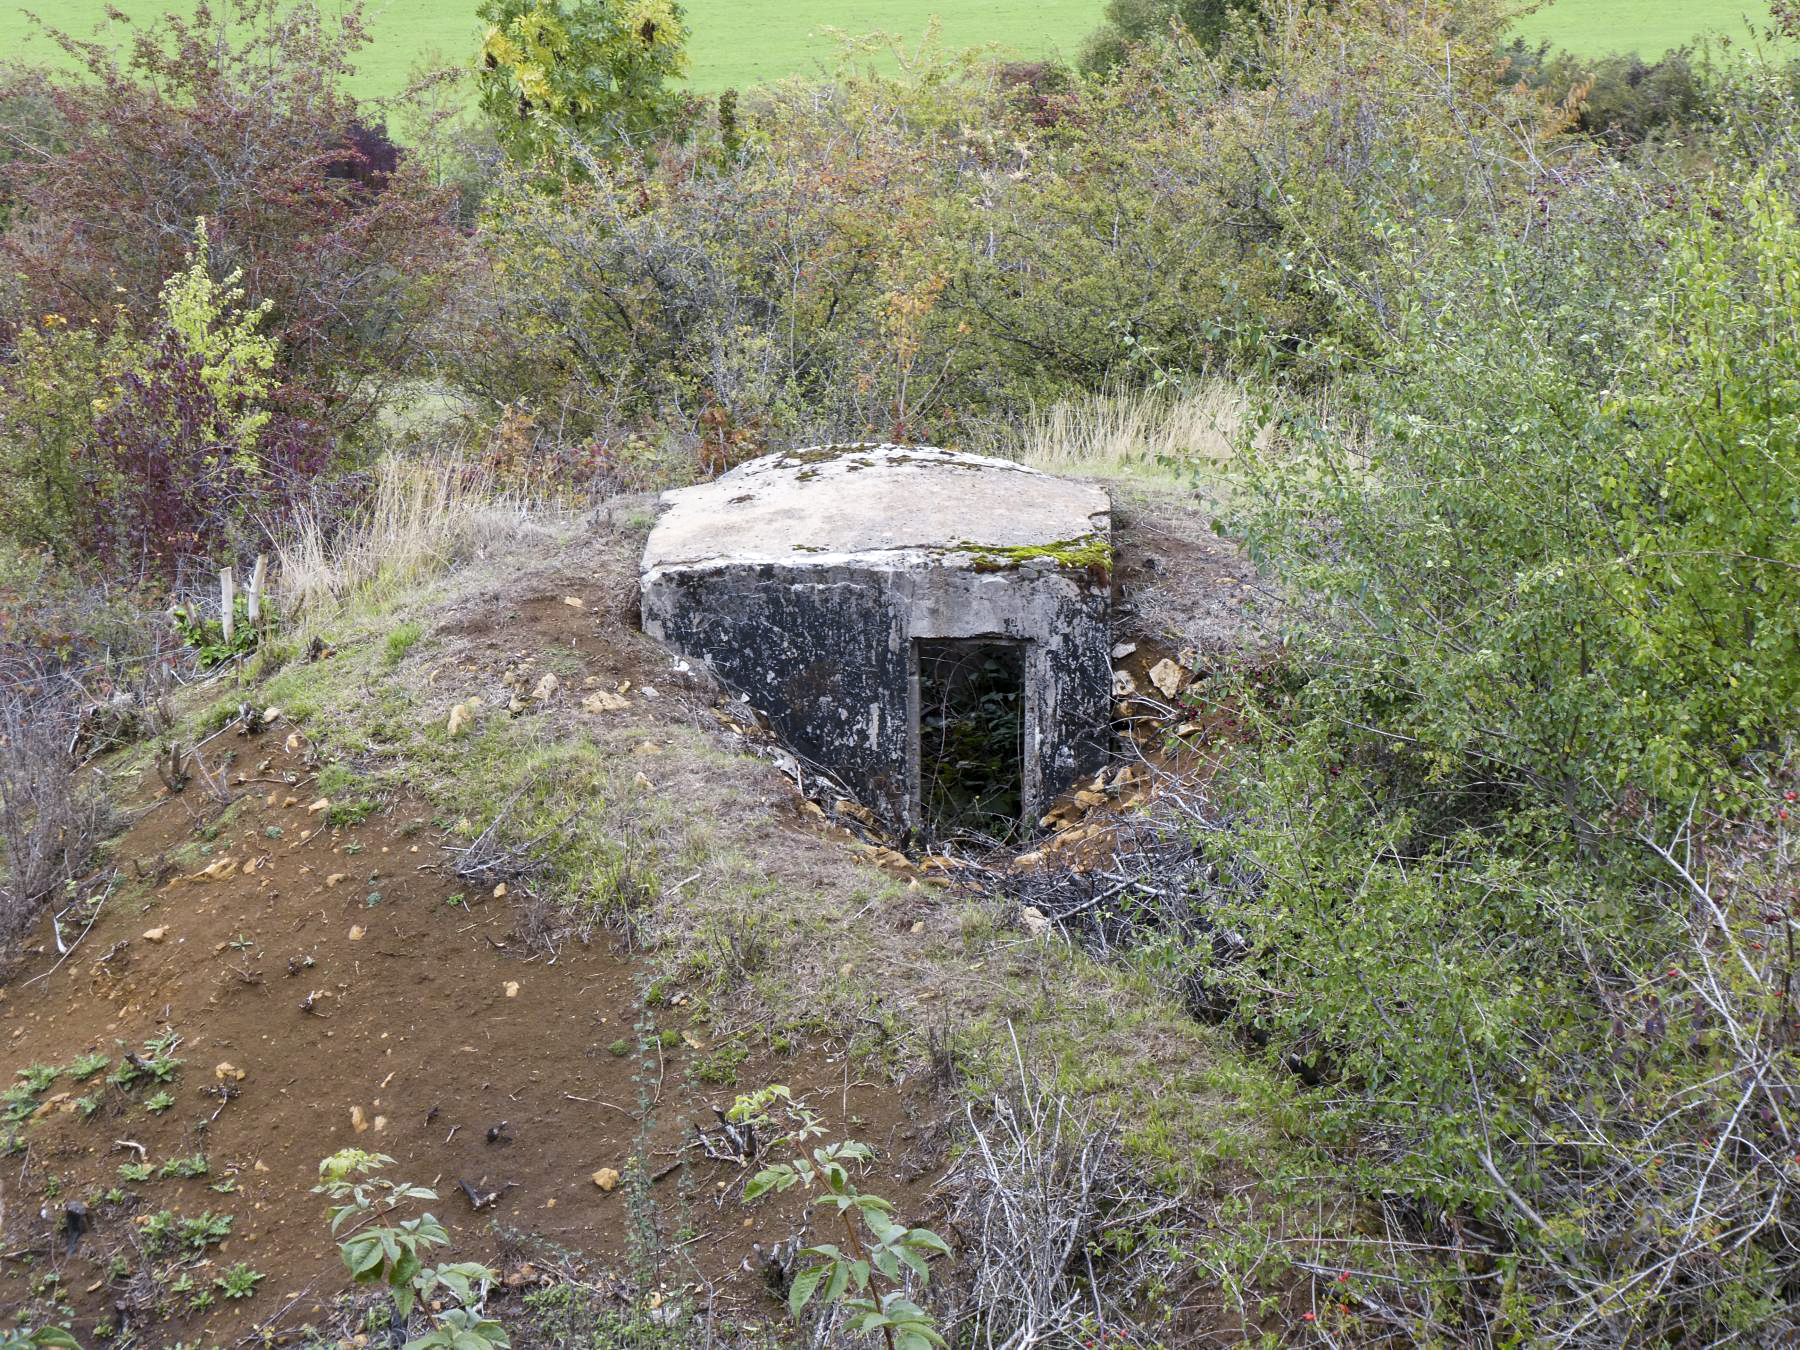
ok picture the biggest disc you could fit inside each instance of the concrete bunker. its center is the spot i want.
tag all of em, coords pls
(930, 627)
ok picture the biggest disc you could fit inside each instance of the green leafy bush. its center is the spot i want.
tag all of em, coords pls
(1518, 816)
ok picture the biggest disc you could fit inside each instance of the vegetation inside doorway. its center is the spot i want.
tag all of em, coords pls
(971, 739)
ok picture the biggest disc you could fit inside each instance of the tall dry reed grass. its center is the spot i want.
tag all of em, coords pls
(1121, 433)
(424, 516)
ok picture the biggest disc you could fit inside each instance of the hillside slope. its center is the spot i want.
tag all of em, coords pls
(649, 921)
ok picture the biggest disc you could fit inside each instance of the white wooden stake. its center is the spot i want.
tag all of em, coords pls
(227, 600)
(254, 597)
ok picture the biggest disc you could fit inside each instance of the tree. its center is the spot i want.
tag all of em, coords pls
(557, 78)
(1132, 21)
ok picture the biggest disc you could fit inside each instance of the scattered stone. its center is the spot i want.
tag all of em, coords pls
(336, 879)
(512, 988)
(606, 1178)
(1123, 685)
(323, 804)
(1123, 650)
(460, 717)
(603, 701)
(224, 1070)
(1034, 921)
(357, 932)
(546, 687)
(358, 1120)
(293, 743)
(574, 602)
(500, 891)
(155, 934)
(1167, 677)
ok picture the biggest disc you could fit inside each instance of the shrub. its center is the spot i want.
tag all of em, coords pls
(237, 117)
(1129, 22)
(1519, 818)
(1620, 99)
(911, 256)
(143, 452)
(50, 821)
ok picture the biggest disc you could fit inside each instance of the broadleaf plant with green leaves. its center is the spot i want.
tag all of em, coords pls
(393, 1254)
(867, 1277)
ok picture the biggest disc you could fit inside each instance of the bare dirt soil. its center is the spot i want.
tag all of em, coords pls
(338, 985)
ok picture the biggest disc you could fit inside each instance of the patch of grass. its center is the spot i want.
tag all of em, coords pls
(721, 1064)
(402, 640)
(342, 787)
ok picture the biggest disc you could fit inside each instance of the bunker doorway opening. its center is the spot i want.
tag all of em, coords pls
(971, 739)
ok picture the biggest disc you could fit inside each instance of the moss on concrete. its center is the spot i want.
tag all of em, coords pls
(1092, 552)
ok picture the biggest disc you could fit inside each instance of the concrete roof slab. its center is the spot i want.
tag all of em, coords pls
(832, 502)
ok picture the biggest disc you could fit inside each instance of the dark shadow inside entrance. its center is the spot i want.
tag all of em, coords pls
(971, 738)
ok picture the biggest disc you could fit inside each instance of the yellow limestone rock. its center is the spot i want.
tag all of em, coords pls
(1167, 677)
(604, 701)
(606, 1178)
(546, 688)
(155, 934)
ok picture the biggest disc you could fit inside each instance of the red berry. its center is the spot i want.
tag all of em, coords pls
(1308, 1317)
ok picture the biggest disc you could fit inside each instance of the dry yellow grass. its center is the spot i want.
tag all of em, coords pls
(1135, 433)
(425, 515)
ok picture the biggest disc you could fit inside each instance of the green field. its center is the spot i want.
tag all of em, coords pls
(743, 42)
(1650, 27)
